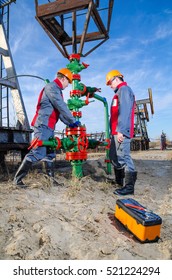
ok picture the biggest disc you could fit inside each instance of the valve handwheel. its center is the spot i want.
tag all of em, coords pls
(82, 143)
(58, 143)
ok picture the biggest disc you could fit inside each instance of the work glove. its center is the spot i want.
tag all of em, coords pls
(75, 124)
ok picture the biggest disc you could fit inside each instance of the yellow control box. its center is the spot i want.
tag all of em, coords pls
(143, 223)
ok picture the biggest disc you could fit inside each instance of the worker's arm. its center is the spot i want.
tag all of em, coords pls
(56, 99)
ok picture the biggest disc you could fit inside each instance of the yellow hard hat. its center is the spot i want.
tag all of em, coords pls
(67, 73)
(111, 74)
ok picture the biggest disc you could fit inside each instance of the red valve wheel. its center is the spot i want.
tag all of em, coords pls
(82, 143)
(108, 146)
(58, 143)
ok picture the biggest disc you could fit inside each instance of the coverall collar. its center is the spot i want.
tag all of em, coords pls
(57, 81)
(120, 85)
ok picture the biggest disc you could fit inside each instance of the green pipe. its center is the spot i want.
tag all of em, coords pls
(74, 104)
(52, 143)
(107, 127)
(77, 170)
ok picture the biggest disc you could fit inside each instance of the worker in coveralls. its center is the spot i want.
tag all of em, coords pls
(122, 129)
(50, 108)
(163, 141)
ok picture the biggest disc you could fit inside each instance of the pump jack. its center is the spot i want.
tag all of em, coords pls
(141, 139)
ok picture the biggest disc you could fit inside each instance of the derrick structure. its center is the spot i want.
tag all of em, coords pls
(14, 136)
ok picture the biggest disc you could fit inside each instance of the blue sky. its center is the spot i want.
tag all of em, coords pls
(139, 47)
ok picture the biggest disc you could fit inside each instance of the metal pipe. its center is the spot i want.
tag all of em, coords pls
(107, 127)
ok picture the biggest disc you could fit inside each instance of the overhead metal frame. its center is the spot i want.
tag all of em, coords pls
(52, 17)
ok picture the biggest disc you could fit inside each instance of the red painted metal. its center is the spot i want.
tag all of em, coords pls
(77, 114)
(75, 131)
(76, 155)
(82, 143)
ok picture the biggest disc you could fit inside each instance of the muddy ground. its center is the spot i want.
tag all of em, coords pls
(76, 220)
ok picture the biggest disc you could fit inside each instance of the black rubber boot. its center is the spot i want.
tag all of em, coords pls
(49, 170)
(130, 179)
(21, 173)
(119, 176)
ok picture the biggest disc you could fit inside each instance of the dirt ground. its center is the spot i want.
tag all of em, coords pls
(76, 221)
